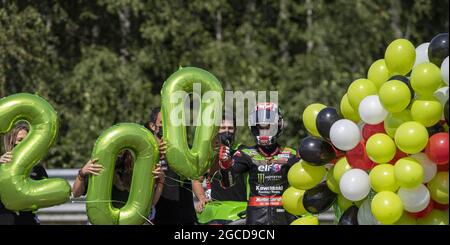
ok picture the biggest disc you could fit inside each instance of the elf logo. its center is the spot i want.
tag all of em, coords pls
(273, 168)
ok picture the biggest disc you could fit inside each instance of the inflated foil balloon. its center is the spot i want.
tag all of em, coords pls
(17, 191)
(144, 148)
(190, 162)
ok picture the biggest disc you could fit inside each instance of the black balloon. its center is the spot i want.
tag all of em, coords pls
(316, 151)
(406, 81)
(438, 49)
(350, 216)
(437, 128)
(325, 120)
(446, 111)
(318, 199)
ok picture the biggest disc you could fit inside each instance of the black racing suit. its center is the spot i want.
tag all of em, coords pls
(267, 180)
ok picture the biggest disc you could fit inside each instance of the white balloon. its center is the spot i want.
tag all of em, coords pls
(422, 54)
(355, 184)
(344, 134)
(444, 70)
(365, 216)
(429, 167)
(371, 111)
(441, 94)
(414, 199)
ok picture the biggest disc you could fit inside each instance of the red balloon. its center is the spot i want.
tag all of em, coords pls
(358, 158)
(369, 130)
(437, 149)
(439, 206)
(339, 155)
(399, 154)
(442, 168)
(424, 212)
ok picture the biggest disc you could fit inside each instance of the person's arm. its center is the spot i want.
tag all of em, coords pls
(232, 167)
(91, 167)
(159, 184)
(199, 192)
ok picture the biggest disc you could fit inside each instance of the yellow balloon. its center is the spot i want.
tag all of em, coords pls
(348, 111)
(406, 220)
(426, 111)
(380, 148)
(382, 178)
(408, 172)
(343, 203)
(292, 200)
(307, 220)
(360, 89)
(400, 56)
(331, 181)
(394, 120)
(340, 168)
(387, 207)
(309, 118)
(411, 137)
(426, 78)
(436, 217)
(438, 187)
(378, 73)
(304, 176)
(395, 96)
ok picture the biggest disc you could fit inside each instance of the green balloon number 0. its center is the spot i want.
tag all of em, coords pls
(17, 191)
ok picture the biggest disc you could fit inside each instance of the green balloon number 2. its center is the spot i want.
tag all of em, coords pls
(143, 145)
(17, 191)
(192, 162)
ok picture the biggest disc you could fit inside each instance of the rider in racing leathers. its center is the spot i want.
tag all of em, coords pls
(267, 164)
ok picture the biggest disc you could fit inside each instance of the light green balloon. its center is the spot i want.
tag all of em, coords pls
(427, 111)
(394, 120)
(304, 176)
(426, 78)
(408, 172)
(378, 73)
(340, 168)
(406, 220)
(382, 178)
(436, 217)
(411, 137)
(309, 118)
(193, 162)
(111, 142)
(348, 111)
(358, 90)
(307, 220)
(380, 148)
(394, 96)
(387, 207)
(17, 191)
(292, 200)
(400, 56)
(331, 181)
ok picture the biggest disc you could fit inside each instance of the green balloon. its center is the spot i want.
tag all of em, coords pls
(343, 203)
(304, 176)
(340, 168)
(378, 73)
(427, 111)
(394, 120)
(144, 148)
(411, 137)
(436, 217)
(394, 96)
(348, 111)
(358, 90)
(17, 191)
(438, 187)
(309, 118)
(331, 181)
(192, 162)
(382, 178)
(400, 56)
(292, 200)
(307, 220)
(380, 148)
(406, 220)
(387, 207)
(426, 78)
(408, 172)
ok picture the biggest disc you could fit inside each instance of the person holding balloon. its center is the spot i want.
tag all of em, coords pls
(267, 164)
(8, 217)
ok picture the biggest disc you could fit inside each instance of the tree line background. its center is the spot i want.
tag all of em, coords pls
(101, 62)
